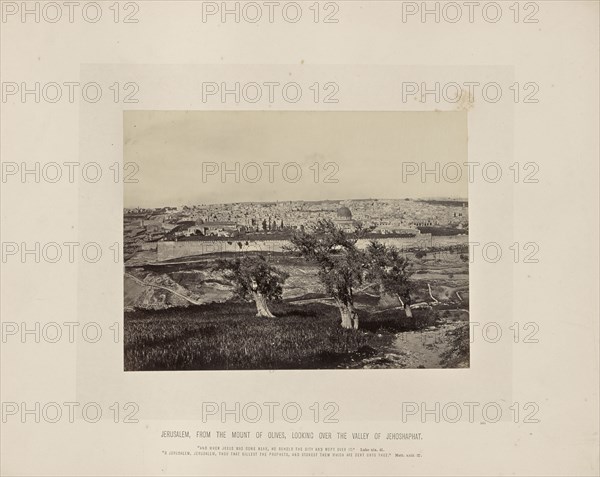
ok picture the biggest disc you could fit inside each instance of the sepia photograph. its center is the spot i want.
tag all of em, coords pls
(295, 240)
(300, 238)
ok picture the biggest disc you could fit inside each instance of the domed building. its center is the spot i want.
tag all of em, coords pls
(344, 219)
(344, 213)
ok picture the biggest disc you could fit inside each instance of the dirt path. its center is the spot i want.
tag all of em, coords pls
(324, 301)
(141, 282)
(414, 349)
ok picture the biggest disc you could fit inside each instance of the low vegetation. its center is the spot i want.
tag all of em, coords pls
(229, 336)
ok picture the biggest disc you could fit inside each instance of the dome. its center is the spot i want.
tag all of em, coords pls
(344, 213)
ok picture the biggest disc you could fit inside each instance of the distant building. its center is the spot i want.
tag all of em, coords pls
(344, 219)
(395, 229)
(426, 223)
(220, 229)
(153, 226)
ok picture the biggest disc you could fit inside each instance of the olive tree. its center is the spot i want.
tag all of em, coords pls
(255, 279)
(391, 270)
(340, 263)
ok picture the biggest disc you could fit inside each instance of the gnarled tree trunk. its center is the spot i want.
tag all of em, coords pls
(406, 305)
(349, 315)
(262, 309)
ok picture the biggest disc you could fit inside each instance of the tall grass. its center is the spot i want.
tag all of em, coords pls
(229, 336)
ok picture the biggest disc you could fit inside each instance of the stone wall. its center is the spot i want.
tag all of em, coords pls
(173, 250)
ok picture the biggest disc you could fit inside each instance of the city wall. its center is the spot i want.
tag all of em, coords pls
(172, 250)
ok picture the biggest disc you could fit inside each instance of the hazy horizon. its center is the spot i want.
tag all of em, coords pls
(458, 199)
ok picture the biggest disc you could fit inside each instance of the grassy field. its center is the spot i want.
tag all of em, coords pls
(228, 336)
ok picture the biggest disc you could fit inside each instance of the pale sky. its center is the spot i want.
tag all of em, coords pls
(367, 148)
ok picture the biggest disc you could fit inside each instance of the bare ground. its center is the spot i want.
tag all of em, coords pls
(441, 346)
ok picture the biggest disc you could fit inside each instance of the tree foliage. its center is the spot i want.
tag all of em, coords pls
(390, 268)
(251, 274)
(340, 262)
